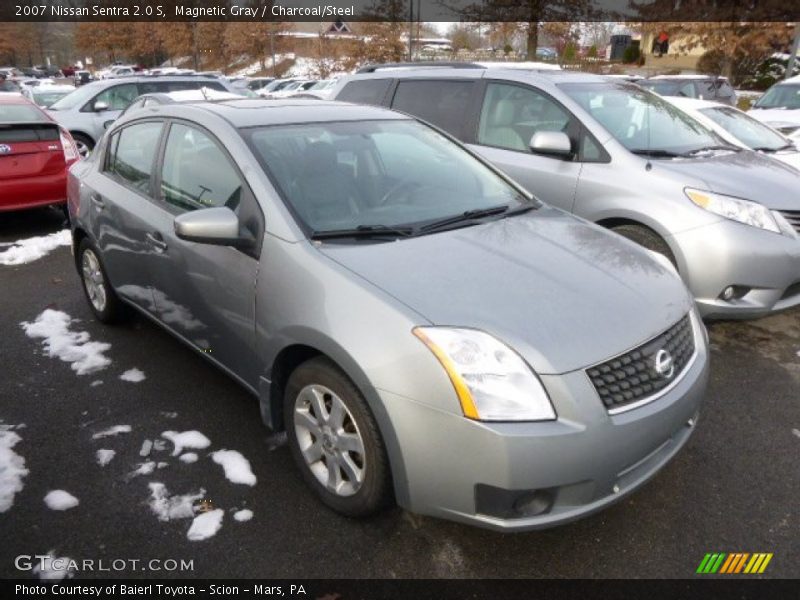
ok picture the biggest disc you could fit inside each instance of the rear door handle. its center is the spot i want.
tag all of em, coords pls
(156, 241)
(97, 201)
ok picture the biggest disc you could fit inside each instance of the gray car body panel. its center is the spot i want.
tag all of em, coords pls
(632, 189)
(358, 303)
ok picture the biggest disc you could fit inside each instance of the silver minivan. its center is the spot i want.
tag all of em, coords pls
(622, 157)
(424, 330)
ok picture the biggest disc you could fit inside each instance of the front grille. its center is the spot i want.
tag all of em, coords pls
(634, 376)
(793, 217)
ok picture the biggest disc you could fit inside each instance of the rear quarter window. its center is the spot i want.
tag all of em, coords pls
(366, 91)
(443, 103)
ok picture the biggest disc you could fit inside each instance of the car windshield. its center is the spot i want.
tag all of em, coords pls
(20, 113)
(46, 98)
(665, 87)
(752, 133)
(640, 120)
(77, 98)
(780, 96)
(377, 174)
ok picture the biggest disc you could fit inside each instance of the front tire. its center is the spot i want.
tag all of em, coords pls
(647, 238)
(104, 302)
(335, 440)
(84, 144)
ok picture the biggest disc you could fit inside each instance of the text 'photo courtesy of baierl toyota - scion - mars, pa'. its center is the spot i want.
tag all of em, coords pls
(393, 299)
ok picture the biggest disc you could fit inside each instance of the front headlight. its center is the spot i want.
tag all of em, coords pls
(492, 381)
(743, 211)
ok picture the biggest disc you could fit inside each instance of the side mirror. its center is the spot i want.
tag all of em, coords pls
(100, 106)
(218, 226)
(553, 143)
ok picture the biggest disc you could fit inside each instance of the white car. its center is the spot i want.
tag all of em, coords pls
(46, 95)
(779, 107)
(34, 83)
(738, 128)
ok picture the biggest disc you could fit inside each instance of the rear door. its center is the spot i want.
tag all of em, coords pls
(121, 211)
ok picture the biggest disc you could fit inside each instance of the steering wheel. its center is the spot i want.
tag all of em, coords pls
(404, 184)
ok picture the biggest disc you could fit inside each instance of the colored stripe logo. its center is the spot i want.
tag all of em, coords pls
(734, 563)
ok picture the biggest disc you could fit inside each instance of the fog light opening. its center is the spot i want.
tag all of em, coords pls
(734, 292)
(532, 503)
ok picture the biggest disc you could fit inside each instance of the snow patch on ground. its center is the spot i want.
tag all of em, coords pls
(104, 456)
(133, 375)
(147, 446)
(60, 500)
(237, 467)
(146, 468)
(31, 249)
(74, 347)
(111, 431)
(96, 382)
(205, 525)
(189, 457)
(52, 567)
(12, 469)
(168, 508)
(186, 439)
(243, 515)
(796, 432)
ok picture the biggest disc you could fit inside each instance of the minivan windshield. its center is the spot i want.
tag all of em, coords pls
(783, 95)
(752, 133)
(642, 121)
(378, 175)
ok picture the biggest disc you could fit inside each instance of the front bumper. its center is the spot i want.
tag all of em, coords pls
(727, 253)
(478, 473)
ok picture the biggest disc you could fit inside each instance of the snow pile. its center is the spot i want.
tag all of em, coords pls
(146, 468)
(168, 508)
(189, 457)
(237, 467)
(111, 431)
(52, 567)
(186, 439)
(12, 469)
(243, 515)
(73, 347)
(104, 456)
(31, 249)
(133, 375)
(60, 500)
(205, 525)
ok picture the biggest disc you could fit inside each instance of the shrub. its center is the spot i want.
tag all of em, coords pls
(631, 55)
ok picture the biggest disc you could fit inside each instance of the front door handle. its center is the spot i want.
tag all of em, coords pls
(97, 200)
(156, 241)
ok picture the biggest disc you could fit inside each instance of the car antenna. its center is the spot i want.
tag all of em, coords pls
(649, 165)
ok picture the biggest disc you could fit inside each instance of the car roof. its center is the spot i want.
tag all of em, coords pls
(695, 103)
(257, 112)
(689, 77)
(536, 75)
(14, 98)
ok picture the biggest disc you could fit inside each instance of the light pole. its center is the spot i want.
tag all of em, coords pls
(793, 53)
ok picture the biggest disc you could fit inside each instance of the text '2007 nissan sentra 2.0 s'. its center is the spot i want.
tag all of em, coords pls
(424, 330)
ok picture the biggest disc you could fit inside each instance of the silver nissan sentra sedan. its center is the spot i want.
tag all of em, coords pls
(425, 331)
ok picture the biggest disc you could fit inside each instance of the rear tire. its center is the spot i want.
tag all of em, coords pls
(84, 143)
(647, 238)
(103, 300)
(335, 440)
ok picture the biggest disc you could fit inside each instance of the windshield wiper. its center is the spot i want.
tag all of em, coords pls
(362, 231)
(655, 153)
(469, 216)
(709, 149)
(771, 150)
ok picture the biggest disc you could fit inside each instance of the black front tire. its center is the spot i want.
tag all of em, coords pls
(375, 492)
(647, 238)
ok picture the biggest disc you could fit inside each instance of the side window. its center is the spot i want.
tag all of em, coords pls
(117, 97)
(131, 154)
(365, 91)
(196, 173)
(687, 90)
(724, 89)
(443, 103)
(512, 114)
(705, 90)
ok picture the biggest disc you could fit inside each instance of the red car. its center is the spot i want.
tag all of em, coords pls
(35, 153)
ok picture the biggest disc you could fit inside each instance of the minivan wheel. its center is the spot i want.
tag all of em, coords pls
(644, 236)
(335, 441)
(84, 144)
(103, 301)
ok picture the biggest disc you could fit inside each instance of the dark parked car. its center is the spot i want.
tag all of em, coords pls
(703, 87)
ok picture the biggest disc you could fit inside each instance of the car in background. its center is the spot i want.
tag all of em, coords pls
(296, 238)
(35, 153)
(296, 87)
(321, 89)
(737, 127)
(704, 87)
(50, 71)
(85, 112)
(82, 77)
(36, 82)
(546, 53)
(256, 83)
(46, 96)
(12, 73)
(275, 86)
(625, 158)
(779, 107)
(199, 95)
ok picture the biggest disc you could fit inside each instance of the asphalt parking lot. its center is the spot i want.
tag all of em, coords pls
(734, 488)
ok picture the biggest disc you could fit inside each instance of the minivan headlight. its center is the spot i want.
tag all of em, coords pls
(492, 381)
(743, 211)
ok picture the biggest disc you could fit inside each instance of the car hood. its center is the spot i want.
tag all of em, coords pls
(746, 174)
(564, 293)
